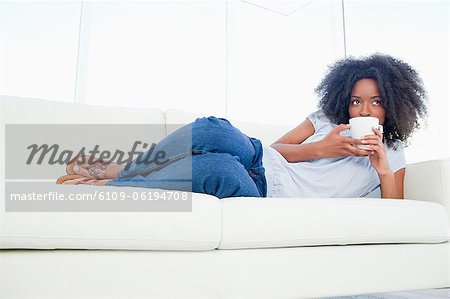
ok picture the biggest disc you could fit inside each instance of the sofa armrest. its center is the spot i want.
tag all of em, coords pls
(429, 181)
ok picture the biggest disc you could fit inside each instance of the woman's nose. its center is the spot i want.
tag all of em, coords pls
(365, 110)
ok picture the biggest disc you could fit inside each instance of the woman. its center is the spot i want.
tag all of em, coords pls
(315, 159)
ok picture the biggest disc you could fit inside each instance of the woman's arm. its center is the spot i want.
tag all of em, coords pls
(332, 146)
(392, 184)
(290, 145)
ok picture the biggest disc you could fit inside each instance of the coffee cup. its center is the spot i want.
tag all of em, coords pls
(362, 126)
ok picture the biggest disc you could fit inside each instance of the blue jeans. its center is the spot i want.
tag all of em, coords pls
(207, 156)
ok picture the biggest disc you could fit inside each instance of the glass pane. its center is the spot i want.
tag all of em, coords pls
(38, 49)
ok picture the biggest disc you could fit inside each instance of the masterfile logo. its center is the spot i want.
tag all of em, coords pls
(37, 154)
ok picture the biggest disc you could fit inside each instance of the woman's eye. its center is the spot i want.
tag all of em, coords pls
(355, 102)
(376, 102)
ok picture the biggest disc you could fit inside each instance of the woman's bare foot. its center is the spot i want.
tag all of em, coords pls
(96, 169)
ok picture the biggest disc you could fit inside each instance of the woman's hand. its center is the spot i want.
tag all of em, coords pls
(378, 157)
(335, 145)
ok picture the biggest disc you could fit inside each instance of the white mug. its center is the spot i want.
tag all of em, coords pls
(362, 126)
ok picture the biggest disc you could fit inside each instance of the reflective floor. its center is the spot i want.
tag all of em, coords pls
(443, 293)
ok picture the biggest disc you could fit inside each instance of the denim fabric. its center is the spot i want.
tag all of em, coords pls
(207, 156)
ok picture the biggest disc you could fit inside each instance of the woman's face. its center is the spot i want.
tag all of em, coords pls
(366, 100)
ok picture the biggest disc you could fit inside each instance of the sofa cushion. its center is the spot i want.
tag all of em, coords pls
(199, 229)
(284, 222)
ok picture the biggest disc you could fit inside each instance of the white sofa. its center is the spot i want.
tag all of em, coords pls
(229, 248)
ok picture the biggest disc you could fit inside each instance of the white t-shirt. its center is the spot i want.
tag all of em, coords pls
(326, 177)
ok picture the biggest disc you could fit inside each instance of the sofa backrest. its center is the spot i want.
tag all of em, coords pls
(267, 133)
(18, 110)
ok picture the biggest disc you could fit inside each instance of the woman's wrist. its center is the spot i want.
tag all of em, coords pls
(387, 174)
(320, 149)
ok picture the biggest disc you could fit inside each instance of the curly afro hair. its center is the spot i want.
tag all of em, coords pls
(400, 86)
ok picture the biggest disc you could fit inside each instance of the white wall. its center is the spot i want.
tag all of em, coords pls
(158, 54)
(417, 32)
(253, 60)
(276, 60)
(38, 49)
(233, 59)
